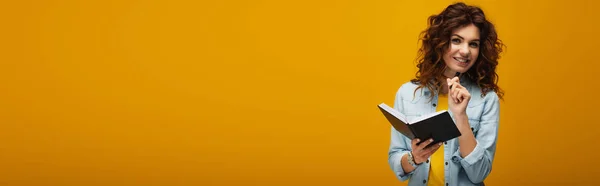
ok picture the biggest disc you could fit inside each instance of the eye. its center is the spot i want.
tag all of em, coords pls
(455, 41)
(474, 45)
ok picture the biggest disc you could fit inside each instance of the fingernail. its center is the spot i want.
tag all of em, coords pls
(418, 140)
(431, 140)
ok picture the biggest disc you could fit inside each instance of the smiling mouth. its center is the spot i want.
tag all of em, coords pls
(462, 60)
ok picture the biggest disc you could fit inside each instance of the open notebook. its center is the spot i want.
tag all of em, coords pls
(437, 125)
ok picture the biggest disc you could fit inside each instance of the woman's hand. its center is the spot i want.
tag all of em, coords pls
(458, 97)
(420, 153)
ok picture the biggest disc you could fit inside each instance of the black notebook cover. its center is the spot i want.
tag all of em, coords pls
(439, 127)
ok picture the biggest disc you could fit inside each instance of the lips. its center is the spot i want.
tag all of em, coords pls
(462, 61)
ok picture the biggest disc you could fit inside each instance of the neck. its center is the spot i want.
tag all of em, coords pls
(444, 88)
(449, 73)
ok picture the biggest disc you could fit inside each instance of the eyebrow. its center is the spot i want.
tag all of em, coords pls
(464, 38)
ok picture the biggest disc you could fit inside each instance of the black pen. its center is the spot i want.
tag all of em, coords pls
(455, 75)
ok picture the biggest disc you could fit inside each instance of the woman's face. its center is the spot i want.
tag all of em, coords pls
(463, 50)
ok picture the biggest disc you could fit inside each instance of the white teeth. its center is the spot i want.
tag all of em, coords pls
(461, 60)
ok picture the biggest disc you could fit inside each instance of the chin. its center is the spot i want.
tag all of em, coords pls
(460, 69)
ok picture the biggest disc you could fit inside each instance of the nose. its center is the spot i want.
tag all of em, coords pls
(464, 50)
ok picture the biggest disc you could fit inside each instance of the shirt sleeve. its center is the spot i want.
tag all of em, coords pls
(478, 164)
(398, 145)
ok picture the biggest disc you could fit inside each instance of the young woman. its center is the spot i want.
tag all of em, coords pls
(457, 72)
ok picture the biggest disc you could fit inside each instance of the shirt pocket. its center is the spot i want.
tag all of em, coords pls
(413, 108)
(474, 123)
(474, 111)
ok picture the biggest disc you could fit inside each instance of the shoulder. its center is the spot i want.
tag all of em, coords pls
(475, 92)
(477, 97)
(491, 98)
(408, 86)
(407, 91)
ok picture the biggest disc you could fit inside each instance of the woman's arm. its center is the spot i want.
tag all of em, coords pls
(399, 148)
(476, 153)
(397, 156)
(467, 139)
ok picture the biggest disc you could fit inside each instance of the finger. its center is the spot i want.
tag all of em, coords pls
(461, 95)
(452, 85)
(451, 81)
(459, 89)
(456, 95)
(455, 99)
(430, 151)
(464, 95)
(433, 148)
(425, 143)
(415, 141)
(456, 79)
(453, 91)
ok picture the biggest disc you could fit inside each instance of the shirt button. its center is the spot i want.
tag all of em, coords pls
(424, 181)
(445, 143)
(446, 184)
(434, 104)
(454, 159)
(446, 163)
(472, 129)
(427, 161)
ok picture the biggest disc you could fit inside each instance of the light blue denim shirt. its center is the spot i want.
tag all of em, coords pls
(483, 113)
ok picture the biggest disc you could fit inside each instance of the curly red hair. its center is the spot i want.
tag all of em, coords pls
(436, 38)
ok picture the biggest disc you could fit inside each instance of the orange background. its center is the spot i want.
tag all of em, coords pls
(271, 92)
